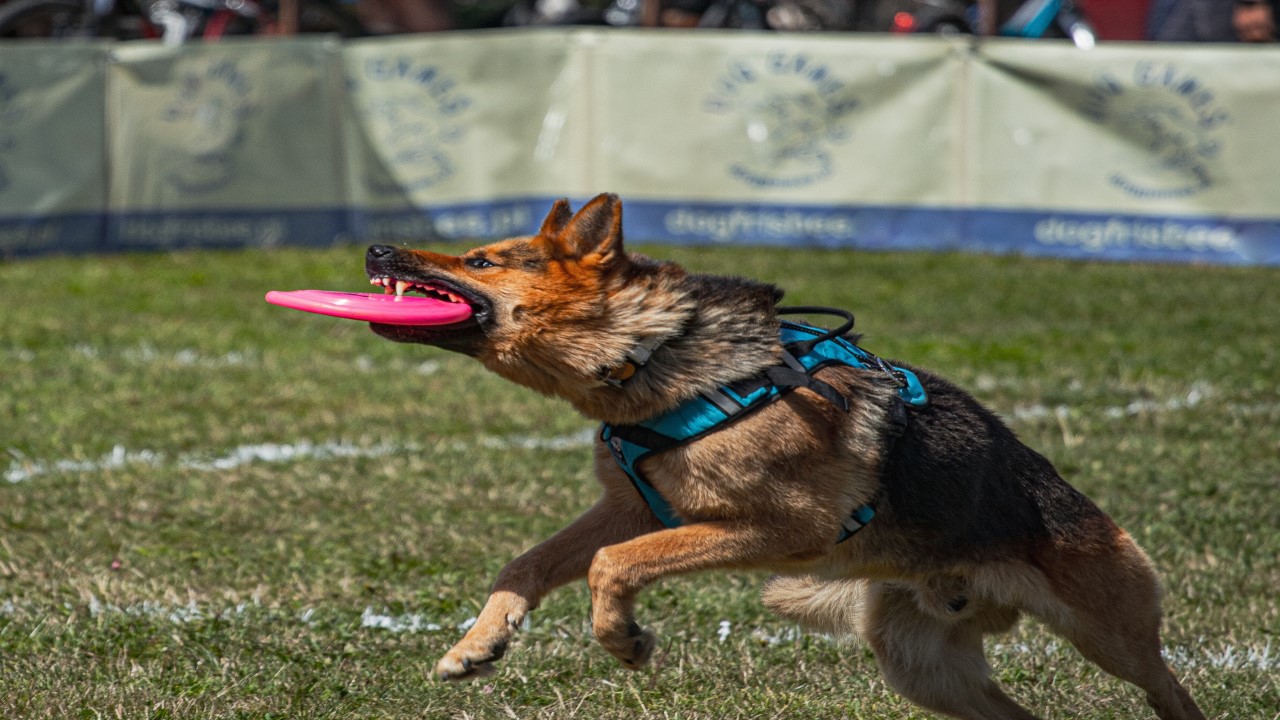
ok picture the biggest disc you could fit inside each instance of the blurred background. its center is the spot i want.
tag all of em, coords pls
(1127, 130)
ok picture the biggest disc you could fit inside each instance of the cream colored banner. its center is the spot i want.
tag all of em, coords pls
(1128, 152)
(1138, 128)
(777, 118)
(52, 161)
(465, 118)
(228, 144)
(235, 124)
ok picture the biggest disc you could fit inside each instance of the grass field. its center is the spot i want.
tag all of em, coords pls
(211, 507)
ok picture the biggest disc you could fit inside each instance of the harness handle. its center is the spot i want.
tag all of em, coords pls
(804, 347)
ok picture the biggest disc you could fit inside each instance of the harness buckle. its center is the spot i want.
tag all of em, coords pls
(637, 357)
(894, 374)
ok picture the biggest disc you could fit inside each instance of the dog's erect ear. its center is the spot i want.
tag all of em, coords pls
(556, 219)
(596, 229)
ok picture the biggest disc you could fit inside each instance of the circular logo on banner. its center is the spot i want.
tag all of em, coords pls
(792, 111)
(412, 112)
(1169, 114)
(207, 120)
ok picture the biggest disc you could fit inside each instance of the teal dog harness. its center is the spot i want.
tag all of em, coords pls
(806, 349)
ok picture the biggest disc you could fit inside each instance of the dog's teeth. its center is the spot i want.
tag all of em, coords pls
(400, 287)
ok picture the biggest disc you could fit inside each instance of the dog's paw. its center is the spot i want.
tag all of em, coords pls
(633, 648)
(464, 663)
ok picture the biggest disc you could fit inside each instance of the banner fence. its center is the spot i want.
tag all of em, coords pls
(1126, 152)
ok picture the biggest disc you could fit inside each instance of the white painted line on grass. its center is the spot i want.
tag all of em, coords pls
(1231, 657)
(278, 453)
(1198, 393)
(409, 622)
(1259, 655)
(22, 468)
(150, 355)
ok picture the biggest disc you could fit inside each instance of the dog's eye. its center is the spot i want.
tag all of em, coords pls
(479, 263)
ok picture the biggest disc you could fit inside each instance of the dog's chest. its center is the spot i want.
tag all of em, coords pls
(768, 465)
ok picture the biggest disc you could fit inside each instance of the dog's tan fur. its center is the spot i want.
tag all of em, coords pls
(972, 528)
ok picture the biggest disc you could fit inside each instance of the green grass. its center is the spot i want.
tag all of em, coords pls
(150, 568)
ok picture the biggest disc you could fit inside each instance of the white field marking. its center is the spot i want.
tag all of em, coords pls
(1204, 654)
(148, 354)
(787, 634)
(1199, 392)
(1228, 656)
(409, 622)
(22, 468)
(277, 453)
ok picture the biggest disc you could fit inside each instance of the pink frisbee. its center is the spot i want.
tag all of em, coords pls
(384, 309)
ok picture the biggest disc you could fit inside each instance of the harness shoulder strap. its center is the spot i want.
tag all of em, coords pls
(786, 378)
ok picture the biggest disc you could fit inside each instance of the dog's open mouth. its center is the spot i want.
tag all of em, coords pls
(433, 290)
(460, 336)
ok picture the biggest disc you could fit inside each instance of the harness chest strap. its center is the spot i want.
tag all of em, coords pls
(806, 350)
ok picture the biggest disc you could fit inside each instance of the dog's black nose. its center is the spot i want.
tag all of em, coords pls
(377, 252)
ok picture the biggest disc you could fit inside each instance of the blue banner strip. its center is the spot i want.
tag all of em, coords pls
(226, 228)
(22, 236)
(1095, 236)
(1100, 236)
(1078, 235)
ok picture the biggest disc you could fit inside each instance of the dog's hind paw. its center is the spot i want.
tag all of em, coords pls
(462, 665)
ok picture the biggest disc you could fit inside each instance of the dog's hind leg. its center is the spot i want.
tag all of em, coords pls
(933, 661)
(1113, 617)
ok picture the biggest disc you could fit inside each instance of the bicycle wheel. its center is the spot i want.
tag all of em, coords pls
(46, 18)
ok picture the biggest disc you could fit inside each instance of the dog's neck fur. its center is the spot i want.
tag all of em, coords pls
(714, 330)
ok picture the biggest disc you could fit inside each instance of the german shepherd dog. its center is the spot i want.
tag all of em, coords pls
(971, 528)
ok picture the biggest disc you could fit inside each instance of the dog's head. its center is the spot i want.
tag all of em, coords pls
(540, 305)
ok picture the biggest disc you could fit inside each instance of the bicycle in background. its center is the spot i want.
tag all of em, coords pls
(1032, 19)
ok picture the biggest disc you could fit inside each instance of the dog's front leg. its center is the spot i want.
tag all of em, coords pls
(521, 585)
(619, 572)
